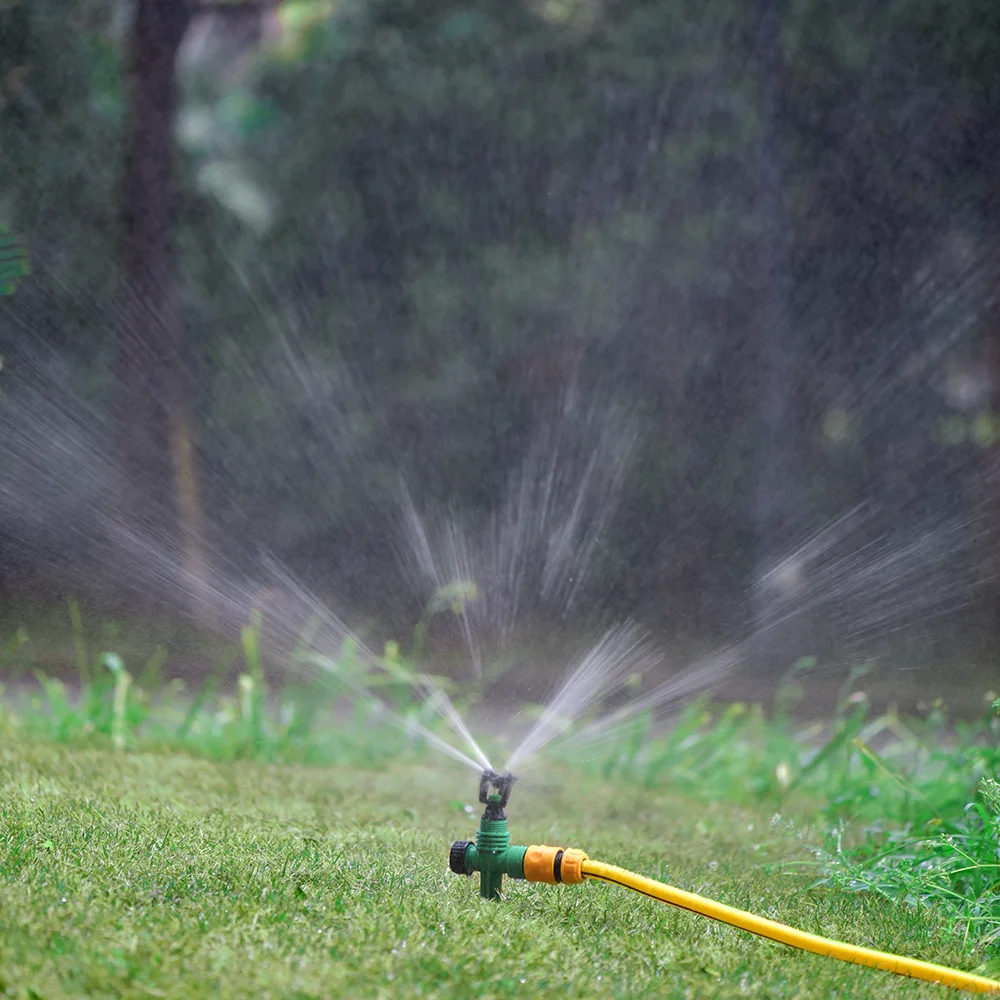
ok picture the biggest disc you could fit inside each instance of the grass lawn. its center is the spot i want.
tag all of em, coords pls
(140, 874)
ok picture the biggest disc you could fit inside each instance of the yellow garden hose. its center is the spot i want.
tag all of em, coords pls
(574, 866)
(494, 857)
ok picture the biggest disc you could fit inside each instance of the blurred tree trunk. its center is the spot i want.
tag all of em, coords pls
(159, 495)
(779, 630)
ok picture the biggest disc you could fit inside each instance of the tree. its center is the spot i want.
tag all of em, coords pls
(153, 422)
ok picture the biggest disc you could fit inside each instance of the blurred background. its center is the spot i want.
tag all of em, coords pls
(678, 311)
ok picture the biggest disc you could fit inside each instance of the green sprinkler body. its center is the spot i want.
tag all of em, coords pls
(492, 854)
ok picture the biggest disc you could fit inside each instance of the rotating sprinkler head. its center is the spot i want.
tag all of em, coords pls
(493, 855)
(503, 783)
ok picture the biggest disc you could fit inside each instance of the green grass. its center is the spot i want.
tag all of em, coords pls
(233, 712)
(142, 874)
(239, 857)
(917, 821)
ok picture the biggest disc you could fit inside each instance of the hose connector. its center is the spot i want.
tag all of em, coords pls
(554, 865)
(537, 863)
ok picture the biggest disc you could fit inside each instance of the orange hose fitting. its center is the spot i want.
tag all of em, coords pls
(572, 865)
(552, 865)
(539, 863)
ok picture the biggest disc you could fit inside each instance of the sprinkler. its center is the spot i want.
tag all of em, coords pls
(493, 856)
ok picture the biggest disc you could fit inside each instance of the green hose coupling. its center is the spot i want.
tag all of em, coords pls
(492, 854)
(466, 858)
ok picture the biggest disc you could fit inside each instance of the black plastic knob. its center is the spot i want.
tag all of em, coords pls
(456, 857)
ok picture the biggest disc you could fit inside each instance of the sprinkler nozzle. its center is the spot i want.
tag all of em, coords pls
(503, 783)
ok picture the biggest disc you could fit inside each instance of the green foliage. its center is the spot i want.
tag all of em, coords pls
(452, 212)
(950, 864)
(947, 854)
(743, 754)
(14, 263)
(60, 114)
(292, 722)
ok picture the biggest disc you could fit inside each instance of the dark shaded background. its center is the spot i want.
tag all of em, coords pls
(753, 244)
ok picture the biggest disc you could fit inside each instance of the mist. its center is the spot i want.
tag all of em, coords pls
(566, 322)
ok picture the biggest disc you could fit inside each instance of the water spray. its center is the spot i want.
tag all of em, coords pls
(493, 856)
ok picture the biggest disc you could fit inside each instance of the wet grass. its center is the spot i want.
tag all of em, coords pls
(142, 874)
(908, 809)
(242, 837)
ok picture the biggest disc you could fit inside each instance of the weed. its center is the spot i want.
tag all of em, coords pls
(328, 719)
